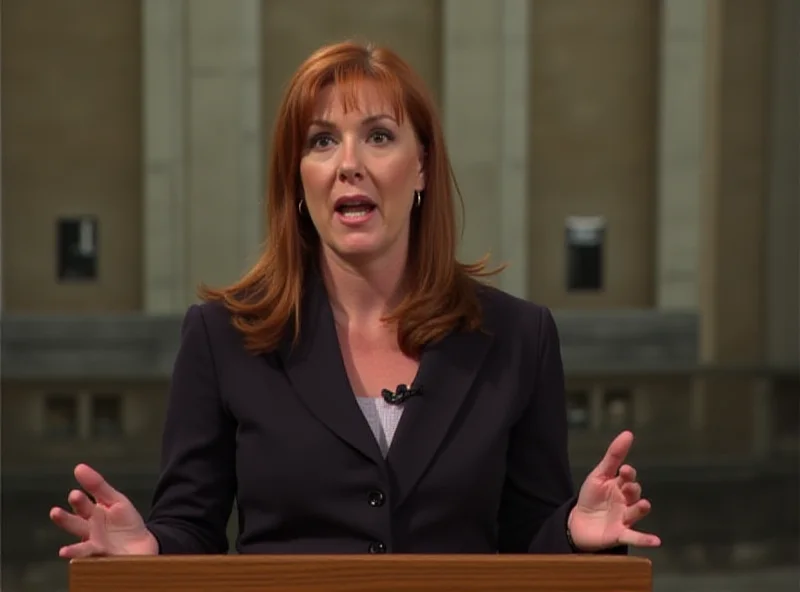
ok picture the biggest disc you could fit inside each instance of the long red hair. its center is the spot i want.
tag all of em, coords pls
(441, 295)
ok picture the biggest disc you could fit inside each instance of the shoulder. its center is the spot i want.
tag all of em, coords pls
(505, 314)
(210, 322)
(205, 315)
(518, 321)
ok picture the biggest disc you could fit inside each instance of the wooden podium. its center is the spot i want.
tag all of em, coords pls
(362, 573)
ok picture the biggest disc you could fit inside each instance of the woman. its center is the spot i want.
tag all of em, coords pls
(360, 390)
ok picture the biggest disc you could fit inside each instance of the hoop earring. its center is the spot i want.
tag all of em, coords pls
(418, 198)
(300, 206)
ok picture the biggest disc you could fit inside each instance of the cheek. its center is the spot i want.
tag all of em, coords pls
(315, 178)
(399, 179)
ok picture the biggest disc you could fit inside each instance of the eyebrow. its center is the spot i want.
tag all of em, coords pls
(366, 121)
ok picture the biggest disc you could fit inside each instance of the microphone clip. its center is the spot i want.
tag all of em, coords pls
(401, 395)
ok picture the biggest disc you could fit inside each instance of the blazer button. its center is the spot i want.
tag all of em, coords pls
(377, 547)
(376, 498)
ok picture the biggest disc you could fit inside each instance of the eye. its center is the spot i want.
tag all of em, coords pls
(320, 141)
(381, 136)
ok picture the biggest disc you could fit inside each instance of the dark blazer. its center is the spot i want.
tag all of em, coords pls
(478, 463)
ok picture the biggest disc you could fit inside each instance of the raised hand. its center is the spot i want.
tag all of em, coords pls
(111, 526)
(609, 504)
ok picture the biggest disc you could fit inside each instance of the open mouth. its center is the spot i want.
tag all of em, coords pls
(355, 210)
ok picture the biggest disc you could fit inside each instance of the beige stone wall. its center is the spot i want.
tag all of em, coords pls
(586, 81)
(74, 117)
(592, 135)
(71, 146)
(410, 27)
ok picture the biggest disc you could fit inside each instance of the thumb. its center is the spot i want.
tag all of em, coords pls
(97, 486)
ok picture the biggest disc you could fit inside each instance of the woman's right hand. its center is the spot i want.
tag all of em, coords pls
(109, 526)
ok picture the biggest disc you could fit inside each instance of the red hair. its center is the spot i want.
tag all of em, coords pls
(441, 294)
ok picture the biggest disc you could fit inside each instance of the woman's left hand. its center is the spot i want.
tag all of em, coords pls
(609, 504)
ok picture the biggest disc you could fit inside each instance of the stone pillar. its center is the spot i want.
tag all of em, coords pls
(732, 301)
(783, 201)
(485, 106)
(681, 104)
(224, 133)
(732, 287)
(164, 168)
(203, 146)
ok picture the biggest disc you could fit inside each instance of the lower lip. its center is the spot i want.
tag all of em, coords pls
(350, 220)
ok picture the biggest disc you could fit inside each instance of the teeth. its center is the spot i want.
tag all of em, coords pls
(355, 212)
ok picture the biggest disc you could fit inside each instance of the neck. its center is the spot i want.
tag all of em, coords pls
(363, 292)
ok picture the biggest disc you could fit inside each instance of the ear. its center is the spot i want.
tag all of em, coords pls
(421, 180)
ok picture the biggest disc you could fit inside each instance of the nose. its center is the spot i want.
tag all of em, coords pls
(350, 165)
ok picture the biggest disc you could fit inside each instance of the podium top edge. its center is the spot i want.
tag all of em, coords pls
(358, 558)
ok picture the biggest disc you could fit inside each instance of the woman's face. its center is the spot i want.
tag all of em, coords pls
(360, 171)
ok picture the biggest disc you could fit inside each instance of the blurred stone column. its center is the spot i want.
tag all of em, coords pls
(736, 183)
(164, 168)
(783, 201)
(203, 146)
(485, 107)
(732, 282)
(684, 44)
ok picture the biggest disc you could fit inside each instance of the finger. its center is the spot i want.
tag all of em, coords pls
(632, 493)
(73, 524)
(97, 528)
(636, 512)
(615, 455)
(95, 484)
(626, 474)
(84, 549)
(634, 538)
(81, 504)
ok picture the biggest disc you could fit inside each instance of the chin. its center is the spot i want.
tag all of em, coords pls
(359, 247)
(358, 251)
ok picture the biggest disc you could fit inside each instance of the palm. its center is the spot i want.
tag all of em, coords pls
(603, 509)
(609, 504)
(109, 526)
(117, 528)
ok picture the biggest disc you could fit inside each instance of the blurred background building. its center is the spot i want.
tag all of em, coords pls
(636, 162)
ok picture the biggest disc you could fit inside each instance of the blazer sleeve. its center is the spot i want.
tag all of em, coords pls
(538, 493)
(194, 494)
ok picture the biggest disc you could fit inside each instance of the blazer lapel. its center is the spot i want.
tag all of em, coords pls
(447, 371)
(316, 370)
